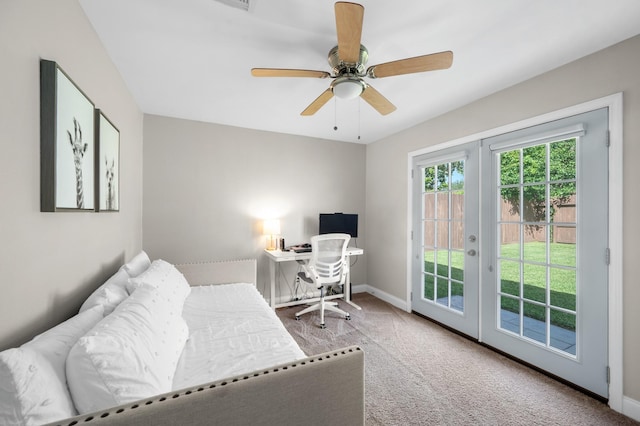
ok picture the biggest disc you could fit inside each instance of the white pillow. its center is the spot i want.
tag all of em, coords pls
(137, 265)
(33, 386)
(110, 294)
(161, 274)
(131, 354)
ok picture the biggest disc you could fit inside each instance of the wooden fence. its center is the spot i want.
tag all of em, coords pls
(510, 232)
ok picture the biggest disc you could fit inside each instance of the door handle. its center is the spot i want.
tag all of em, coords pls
(471, 252)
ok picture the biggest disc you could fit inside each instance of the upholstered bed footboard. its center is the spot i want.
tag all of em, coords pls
(321, 389)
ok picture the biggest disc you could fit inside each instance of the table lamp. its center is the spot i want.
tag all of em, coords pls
(271, 228)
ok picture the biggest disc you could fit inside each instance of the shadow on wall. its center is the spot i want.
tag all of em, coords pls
(62, 306)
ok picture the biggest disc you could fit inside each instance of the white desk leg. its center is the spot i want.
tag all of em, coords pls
(272, 282)
(347, 289)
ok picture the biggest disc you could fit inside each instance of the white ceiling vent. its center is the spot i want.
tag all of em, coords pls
(239, 4)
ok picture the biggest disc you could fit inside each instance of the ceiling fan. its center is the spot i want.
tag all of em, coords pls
(348, 60)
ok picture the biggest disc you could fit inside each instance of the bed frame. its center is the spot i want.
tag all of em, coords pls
(322, 389)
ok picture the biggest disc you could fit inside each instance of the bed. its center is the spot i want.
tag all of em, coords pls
(237, 366)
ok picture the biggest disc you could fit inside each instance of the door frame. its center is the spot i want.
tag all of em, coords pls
(615, 303)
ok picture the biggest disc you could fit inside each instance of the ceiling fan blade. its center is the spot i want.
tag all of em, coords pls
(435, 61)
(377, 101)
(318, 103)
(349, 18)
(280, 72)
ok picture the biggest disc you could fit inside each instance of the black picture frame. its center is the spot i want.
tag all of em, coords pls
(67, 143)
(107, 164)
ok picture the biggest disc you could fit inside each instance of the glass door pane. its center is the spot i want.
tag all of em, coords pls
(443, 245)
(537, 253)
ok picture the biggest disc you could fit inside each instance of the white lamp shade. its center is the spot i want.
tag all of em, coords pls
(271, 227)
(347, 89)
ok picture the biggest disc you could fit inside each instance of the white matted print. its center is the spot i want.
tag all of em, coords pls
(108, 164)
(67, 144)
(74, 147)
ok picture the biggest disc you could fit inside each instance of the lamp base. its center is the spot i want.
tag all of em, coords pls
(273, 243)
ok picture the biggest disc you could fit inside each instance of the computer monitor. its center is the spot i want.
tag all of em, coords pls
(340, 223)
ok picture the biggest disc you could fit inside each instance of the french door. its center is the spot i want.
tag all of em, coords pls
(523, 265)
(445, 275)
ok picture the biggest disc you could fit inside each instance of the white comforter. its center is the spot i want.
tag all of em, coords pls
(232, 330)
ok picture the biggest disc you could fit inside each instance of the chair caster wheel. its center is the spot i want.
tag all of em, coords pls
(323, 326)
(297, 318)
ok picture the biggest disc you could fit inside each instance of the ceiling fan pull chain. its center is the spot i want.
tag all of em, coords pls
(335, 114)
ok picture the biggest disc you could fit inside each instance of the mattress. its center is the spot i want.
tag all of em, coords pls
(232, 331)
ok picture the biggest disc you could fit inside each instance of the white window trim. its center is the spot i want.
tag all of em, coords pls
(615, 307)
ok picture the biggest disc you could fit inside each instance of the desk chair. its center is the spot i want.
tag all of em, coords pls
(328, 266)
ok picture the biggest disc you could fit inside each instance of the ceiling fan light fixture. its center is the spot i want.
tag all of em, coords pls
(347, 88)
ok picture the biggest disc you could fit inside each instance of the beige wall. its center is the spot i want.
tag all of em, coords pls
(208, 187)
(50, 262)
(616, 69)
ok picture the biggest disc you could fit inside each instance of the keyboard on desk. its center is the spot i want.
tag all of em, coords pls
(301, 248)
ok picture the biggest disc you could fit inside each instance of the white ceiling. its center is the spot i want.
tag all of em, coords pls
(192, 58)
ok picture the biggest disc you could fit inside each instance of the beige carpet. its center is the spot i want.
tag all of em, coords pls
(418, 373)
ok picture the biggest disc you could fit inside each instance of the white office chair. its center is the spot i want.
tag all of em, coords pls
(328, 266)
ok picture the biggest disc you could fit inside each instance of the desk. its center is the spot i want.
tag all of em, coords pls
(276, 257)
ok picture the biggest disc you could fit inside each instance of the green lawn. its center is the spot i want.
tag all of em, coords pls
(457, 274)
(562, 280)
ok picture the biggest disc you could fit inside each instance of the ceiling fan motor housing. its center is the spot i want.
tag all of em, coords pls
(340, 67)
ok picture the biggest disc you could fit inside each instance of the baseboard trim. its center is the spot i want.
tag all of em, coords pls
(631, 408)
(389, 298)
